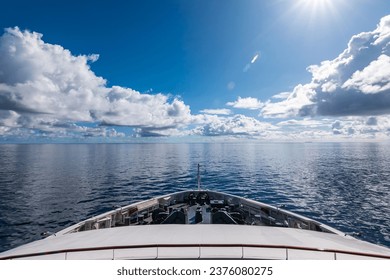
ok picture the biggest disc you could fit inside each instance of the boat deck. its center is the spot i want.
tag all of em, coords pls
(203, 241)
(199, 225)
(199, 207)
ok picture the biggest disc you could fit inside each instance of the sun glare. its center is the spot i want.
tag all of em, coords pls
(316, 5)
(319, 3)
(315, 9)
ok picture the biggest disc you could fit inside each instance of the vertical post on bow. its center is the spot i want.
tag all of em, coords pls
(198, 177)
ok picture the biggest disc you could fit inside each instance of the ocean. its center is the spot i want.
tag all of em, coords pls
(47, 187)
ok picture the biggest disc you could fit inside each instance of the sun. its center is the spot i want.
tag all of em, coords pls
(317, 6)
(313, 11)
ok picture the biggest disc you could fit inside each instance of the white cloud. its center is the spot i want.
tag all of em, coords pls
(370, 80)
(216, 111)
(362, 127)
(300, 97)
(45, 82)
(356, 83)
(27, 126)
(237, 125)
(250, 103)
(37, 77)
(128, 107)
(307, 122)
(282, 95)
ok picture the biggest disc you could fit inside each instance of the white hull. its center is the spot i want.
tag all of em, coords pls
(267, 232)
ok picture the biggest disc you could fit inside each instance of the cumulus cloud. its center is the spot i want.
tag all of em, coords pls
(216, 111)
(282, 95)
(292, 106)
(250, 103)
(28, 127)
(127, 107)
(370, 80)
(377, 127)
(45, 82)
(41, 78)
(237, 125)
(356, 83)
(306, 122)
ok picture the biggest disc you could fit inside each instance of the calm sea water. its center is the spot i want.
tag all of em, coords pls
(49, 187)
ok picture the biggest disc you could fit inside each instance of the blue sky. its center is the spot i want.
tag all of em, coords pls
(290, 70)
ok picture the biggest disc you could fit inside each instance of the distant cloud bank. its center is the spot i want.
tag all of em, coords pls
(216, 111)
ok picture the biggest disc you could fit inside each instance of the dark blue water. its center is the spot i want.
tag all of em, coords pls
(49, 187)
